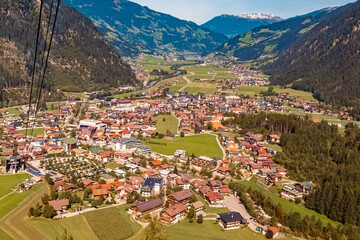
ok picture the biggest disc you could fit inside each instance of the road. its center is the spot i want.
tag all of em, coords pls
(188, 82)
(234, 204)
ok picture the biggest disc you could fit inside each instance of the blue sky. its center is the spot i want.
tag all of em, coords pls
(200, 11)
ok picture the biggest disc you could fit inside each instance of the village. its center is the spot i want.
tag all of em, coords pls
(107, 152)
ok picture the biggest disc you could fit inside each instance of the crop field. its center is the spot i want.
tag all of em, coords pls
(202, 144)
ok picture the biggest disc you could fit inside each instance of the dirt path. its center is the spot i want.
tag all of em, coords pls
(14, 223)
(188, 82)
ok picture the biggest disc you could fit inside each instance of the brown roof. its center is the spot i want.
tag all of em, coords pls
(198, 204)
(182, 195)
(100, 191)
(149, 205)
(175, 210)
(59, 204)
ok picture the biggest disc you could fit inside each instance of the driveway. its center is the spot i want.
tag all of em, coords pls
(234, 204)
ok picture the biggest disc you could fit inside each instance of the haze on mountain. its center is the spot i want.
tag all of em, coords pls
(232, 25)
(80, 59)
(132, 28)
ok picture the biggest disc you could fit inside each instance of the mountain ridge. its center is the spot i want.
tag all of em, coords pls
(143, 30)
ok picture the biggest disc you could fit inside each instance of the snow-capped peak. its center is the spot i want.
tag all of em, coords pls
(257, 16)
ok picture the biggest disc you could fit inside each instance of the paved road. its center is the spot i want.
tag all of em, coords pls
(234, 204)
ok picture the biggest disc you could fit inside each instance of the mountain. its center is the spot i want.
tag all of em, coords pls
(326, 60)
(132, 28)
(80, 59)
(233, 25)
(266, 42)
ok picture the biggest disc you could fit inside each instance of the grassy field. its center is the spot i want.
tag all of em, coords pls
(181, 83)
(111, 224)
(76, 226)
(113, 165)
(207, 88)
(252, 90)
(36, 131)
(8, 182)
(14, 111)
(10, 202)
(4, 236)
(80, 95)
(171, 123)
(276, 147)
(209, 230)
(287, 205)
(203, 144)
(14, 224)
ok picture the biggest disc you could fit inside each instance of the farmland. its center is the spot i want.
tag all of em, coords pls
(8, 182)
(203, 144)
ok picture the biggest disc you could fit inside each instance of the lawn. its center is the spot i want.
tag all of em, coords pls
(202, 144)
(8, 182)
(287, 205)
(171, 123)
(36, 131)
(111, 224)
(10, 202)
(210, 230)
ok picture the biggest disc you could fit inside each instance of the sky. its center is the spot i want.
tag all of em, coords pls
(200, 11)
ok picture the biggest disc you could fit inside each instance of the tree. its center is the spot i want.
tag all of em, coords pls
(200, 219)
(31, 212)
(182, 134)
(269, 234)
(176, 170)
(191, 213)
(45, 199)
(155, 231)
(49, 211)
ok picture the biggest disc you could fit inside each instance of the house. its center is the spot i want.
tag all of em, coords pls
(127, 143)
(144, 150)
(215, 185)
(182, 196)
(107, 178)
(100, 192)
(231, 220)
(173, 214)
(152, 186)
(215, 199)
(223, 170)
(274, 231)
(136, 181)
(125, 190)
(273, 138)
(183, 182)
(198, 206)
(60, 205)
(147, 207)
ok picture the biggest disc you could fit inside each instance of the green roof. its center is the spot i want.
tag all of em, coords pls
(96, 149)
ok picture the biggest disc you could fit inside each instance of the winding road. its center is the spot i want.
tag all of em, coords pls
(188, 82)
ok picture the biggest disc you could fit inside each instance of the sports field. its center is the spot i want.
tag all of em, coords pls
(202, 144)
(171, 123)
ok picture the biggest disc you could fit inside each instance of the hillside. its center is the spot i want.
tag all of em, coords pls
(233, 25)
(326, 61)
(80, 59)
(132, 28)
(266, 42)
